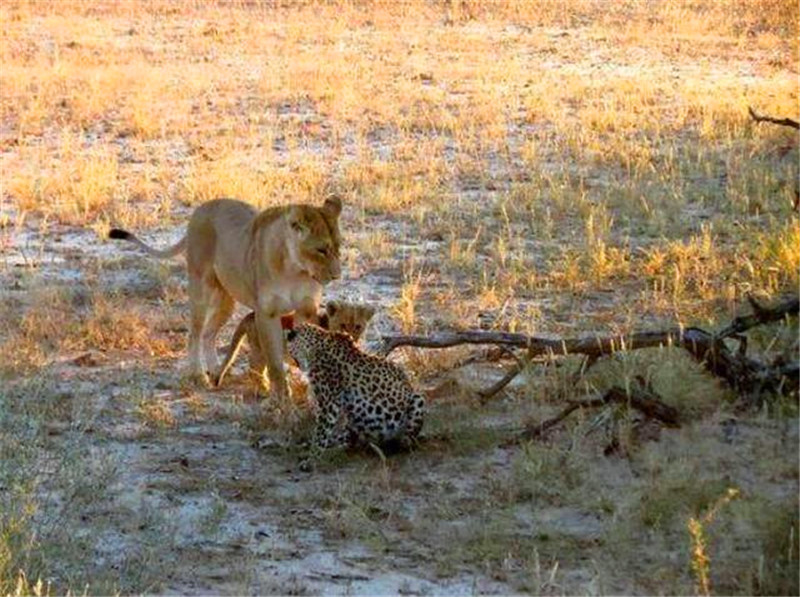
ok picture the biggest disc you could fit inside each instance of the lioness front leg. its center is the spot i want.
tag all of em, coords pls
(270, 338)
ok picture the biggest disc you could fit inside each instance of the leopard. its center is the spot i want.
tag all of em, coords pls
(358, 398)
(347, 317)
(337, 316)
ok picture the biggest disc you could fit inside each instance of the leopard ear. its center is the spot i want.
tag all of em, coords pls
(331, 307)
(287, 321)
(333, 205)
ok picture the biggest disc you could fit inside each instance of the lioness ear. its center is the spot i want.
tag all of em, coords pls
(333, 205)
(332, 307)
(296, 220)
(287, 321)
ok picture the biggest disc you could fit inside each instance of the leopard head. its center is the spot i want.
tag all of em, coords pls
(350, 318)
(301, 342)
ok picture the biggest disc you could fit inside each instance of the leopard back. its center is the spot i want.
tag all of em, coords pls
(372, 396)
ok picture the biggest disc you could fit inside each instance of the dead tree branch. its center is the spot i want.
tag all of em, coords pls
(761, 315)
(781, 121)
(642, 400)
(745, 375)
(535, 345)
(491, 392)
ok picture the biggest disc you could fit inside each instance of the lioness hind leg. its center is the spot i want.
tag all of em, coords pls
(219, 311)
(257, 362)
(211, 307)
(202, 284)
(198, 308)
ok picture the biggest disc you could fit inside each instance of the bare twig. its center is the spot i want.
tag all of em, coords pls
(536, 431)
(337, 576)
(781, 121)
(492, 354)
(760, 315)
(642, 400)
(489, 393)
(591, 346)
(647, 403)
(744, 374)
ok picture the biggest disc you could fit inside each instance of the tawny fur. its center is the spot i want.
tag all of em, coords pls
(275, 261)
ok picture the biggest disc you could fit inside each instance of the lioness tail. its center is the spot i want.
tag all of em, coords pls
(119, 234)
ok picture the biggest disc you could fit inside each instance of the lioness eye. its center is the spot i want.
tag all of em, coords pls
(323, 251)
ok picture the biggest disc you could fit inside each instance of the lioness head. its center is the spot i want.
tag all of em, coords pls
(315, 240)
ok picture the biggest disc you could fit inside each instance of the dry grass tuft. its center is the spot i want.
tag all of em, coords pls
(549, 167)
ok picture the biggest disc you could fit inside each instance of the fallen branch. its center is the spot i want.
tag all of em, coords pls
(490, 355)
(492, 391)
(642, 400)
(536, 345)
(744, 374)
(336, 576)
(781, 121)
(761, 315)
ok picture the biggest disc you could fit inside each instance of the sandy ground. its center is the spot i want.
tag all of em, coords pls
(140, 482)
(203, 495)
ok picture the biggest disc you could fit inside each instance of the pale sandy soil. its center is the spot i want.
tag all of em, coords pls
(192, 503)
(575, 175)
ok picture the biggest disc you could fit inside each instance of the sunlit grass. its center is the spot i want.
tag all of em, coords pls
(548, 167)
(58, 322)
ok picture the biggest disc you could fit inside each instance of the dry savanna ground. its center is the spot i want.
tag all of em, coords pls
(557, 168)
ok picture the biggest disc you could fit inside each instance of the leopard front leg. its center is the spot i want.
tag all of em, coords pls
(415, 417)
(325, 432)
(330, 431)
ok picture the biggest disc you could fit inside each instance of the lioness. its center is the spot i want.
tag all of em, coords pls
(274, 262)
(350, 318)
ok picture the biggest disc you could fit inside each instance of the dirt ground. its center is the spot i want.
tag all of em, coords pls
(614, 191)
(191, 491)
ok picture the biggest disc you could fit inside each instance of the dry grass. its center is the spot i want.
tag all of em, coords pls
(71, 322)
(548, 167)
